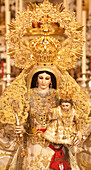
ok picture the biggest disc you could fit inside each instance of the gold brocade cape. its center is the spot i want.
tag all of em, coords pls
(15, 98)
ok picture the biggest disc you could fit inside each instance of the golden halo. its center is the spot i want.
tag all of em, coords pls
(45, 21)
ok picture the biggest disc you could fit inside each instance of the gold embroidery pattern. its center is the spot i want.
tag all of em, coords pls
(13, 101)
(40, 106)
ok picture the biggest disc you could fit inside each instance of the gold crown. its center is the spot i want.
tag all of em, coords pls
(46, 22)
(67, 88)
(67, 93)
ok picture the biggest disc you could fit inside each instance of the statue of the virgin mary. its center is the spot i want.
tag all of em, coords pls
(45, 42)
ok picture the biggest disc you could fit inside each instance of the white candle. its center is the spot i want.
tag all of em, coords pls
(8, 17)
(6, 5)
(84, 46)
(66, 4)
(6, 11)
(21, 5)
(89, 7)
(8, 65)
(79, 11)
(8, 57)
(16, 6)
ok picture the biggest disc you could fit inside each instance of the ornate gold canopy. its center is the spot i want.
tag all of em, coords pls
(31, 38)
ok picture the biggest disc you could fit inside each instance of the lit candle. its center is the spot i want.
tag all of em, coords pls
(79, 11)
(84, 46)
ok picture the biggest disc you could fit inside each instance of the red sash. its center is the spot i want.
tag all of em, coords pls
(58, 158)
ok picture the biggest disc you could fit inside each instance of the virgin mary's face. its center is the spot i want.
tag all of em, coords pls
(44, 80)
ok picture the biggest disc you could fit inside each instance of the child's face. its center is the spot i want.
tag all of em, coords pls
(66, 106)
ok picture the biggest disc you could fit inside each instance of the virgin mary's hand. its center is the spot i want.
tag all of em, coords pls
(19, 129)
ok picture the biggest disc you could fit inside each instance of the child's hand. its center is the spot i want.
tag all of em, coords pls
(51, 110)
(78, 138)
(76, 141)
(50, 115)
(79, 134)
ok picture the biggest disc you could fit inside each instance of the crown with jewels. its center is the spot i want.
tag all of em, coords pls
(67, 92)
(58, 39)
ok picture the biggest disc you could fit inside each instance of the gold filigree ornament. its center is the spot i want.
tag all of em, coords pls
(45, 22)
(13, 102)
